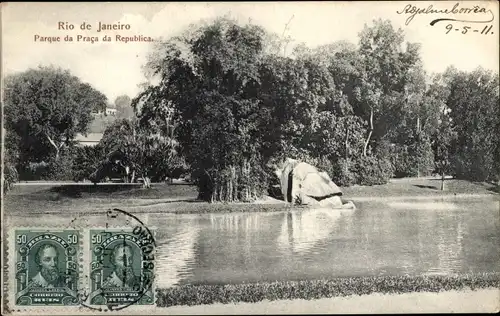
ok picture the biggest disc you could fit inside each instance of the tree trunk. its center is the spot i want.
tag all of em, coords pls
(369, 134)
(132, 178)
(442, 180)
(219, 190)
(235, 186)
(231, 183)
(147, 182)
(213, 195)
(418, 143)
(346, 150)
(246, 176)
(232, 190)
(58, 148)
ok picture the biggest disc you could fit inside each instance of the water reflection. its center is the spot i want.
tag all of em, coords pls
(302, 230)
(176, 254)
(379, 238)
(235, 222)
(449, 246)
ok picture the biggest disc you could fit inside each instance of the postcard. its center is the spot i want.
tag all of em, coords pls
(250, 158)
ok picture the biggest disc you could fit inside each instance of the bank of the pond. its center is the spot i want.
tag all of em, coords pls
(318, 289)
(181, 198)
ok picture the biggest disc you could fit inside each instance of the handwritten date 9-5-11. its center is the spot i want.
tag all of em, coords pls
(470, 29)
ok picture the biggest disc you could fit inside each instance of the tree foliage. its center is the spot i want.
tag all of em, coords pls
(210, 79)
(229, 104)
(44, 110)
(237, 106)
(473, 104)
(139, 151)
(124, 108)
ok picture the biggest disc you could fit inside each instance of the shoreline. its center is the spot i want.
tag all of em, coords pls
(181, 198)
(450, 195)
(192, 206)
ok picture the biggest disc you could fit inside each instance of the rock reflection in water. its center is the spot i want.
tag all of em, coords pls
(302, 230)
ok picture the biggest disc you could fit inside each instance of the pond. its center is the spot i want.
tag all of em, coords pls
(393, 237)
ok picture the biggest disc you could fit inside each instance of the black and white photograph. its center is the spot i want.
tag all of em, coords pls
(251, 157)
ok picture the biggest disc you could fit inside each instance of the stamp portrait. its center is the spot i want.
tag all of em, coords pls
(122, 267)
(47, 270)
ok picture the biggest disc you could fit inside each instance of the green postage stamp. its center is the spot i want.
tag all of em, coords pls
(95, 268)
(47, 267)
(121, 267)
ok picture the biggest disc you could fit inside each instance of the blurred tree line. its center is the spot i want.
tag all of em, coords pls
(229, 105)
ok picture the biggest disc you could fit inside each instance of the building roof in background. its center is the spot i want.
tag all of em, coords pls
(100, 123)
(90, 138)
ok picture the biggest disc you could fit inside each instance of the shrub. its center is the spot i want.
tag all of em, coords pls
(34, 171)
(373, 170)
(320, 288)
(88, 160)
(343, 172)
(10, 176)
(61, 169)
(472, 167)
(399, 161)
(424, 157)
(413, 158)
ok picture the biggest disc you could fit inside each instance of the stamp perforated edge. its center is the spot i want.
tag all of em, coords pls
(9, 283)
(84, 273)
(83, 229)
(88, 255)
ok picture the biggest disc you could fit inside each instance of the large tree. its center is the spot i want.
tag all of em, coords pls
(474, 109)
(124, 108)
(210, 79)
(387, 72)
(45, 108)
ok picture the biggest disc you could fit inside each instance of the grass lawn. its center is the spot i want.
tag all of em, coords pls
(461, 301)
(420, 187)
(317, 289)
(181, 198)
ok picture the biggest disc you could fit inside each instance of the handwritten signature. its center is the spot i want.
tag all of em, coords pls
(413, 10)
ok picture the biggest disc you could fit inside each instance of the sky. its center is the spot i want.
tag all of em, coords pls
(114, 68)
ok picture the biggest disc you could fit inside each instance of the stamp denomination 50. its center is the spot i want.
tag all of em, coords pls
(47, 269)
(121, 267)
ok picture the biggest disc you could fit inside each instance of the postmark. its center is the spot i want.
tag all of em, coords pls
(47, 270)
(121, 267)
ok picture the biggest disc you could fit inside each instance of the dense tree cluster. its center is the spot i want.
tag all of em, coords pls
(45, 108)
(364, 113)
(228, 105)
